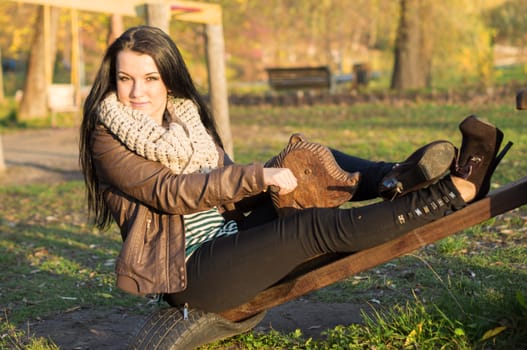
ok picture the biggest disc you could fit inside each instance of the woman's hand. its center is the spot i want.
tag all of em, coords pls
(282, 178)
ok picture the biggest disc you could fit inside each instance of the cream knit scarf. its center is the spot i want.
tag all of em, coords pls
(185, 147)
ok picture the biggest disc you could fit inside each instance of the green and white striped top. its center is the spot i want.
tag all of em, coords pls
(204, 226)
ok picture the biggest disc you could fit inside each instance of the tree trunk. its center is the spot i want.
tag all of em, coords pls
(39, 71)
(412, 53)
(2, 160)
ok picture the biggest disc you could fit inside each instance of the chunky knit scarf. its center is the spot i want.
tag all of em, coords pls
(185, 146)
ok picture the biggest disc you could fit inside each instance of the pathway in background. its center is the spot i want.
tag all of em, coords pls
(42, 156)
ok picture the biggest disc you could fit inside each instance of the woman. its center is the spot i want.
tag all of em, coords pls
(153, 162)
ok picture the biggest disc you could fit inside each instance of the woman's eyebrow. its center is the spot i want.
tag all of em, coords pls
(150, 73)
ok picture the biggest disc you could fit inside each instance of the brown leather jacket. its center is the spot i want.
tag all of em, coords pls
(147, 200)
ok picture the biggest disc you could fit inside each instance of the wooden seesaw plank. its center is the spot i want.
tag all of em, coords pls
(506, 198)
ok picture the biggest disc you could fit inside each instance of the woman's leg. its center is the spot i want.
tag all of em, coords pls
(230, 270)
(372, 173)
(423, 167)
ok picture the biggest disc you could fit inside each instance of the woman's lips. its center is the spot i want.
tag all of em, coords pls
(138, 105)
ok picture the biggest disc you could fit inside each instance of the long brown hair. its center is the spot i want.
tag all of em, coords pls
(176, 77)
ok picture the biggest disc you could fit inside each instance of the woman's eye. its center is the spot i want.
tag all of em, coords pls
(122, 78)
(152, 78)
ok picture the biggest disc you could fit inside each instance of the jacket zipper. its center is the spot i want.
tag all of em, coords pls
(167, 251)
(140, 255)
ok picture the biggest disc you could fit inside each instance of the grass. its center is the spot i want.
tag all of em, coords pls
(373, 131)
(10, 123)
(56, 260)
(464, 292)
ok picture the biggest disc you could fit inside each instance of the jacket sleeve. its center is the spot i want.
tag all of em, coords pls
(156, 186)
(249, 203)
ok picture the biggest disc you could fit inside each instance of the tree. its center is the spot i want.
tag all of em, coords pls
(39, 71)
(413, 47)
(2, 161)
(2, 96)
(509, 22)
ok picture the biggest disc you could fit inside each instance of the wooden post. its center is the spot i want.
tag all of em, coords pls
(218, 84)
(211, 16)
(116, 27)
(48, 69)
(158, 15)
(48, 73)
(75, 62)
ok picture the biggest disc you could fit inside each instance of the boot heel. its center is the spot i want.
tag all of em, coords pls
(502, 154)
(478, 156)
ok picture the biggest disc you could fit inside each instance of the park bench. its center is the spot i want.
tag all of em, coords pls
(299, 78)
(61, 98)
(185, 329)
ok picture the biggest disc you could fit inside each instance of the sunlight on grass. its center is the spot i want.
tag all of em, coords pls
(56, 260)
(13, 338)
(463, 292)
(373, 131)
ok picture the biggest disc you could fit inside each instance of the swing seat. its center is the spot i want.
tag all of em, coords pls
(162, 330)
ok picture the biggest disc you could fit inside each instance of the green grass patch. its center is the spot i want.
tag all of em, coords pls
(9, 120)
(374, 131)
(14, 338)
(464, 292)
(54, 261)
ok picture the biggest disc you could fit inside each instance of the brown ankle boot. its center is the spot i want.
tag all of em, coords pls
(477, 159)
(422, 168)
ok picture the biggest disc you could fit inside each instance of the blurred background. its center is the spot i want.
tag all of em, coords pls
(458, 42)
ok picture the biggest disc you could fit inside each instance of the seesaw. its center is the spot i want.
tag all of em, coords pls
(185, 329)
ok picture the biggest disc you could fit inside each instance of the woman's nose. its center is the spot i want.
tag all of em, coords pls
(137, 89)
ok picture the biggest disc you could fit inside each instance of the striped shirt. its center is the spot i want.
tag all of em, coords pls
(204, 226)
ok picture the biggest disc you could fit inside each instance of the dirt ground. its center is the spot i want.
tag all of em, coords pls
(48, 156)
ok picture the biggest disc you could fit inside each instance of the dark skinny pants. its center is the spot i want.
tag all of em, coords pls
(230, 270)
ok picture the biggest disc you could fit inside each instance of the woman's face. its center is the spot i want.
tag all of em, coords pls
(139, 84)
